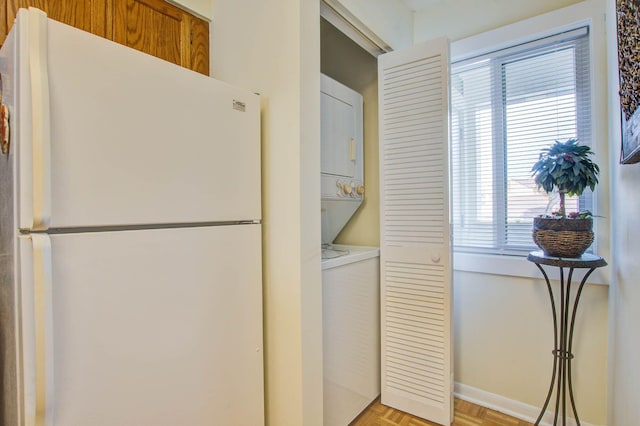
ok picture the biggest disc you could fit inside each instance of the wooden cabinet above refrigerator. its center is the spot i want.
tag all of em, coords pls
(151, 26)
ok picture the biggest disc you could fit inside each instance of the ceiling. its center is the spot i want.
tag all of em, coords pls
(420, 5)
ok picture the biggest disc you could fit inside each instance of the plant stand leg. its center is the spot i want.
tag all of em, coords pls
(562, 346)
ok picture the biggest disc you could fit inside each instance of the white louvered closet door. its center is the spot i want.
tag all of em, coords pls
(415, 243)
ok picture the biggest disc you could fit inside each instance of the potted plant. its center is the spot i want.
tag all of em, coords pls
(565, 167)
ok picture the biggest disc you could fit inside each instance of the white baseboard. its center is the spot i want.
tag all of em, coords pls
(507, 406)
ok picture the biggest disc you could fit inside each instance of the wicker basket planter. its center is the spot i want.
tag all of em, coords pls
(562, 237)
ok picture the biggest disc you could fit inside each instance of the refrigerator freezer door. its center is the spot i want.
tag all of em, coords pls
(133, 139)
(154, 327)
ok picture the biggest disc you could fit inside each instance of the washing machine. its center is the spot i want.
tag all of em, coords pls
(351, 331)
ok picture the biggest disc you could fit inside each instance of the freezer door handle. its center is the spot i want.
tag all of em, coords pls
(43, 327)
(40, 118)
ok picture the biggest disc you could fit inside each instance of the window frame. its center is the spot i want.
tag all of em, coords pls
(507, 236)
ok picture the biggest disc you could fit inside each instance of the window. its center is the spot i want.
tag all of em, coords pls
(506, 106)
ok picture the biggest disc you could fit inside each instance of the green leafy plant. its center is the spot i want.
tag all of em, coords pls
(566, 167)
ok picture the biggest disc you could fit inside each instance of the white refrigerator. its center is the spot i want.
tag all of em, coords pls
(130, 238)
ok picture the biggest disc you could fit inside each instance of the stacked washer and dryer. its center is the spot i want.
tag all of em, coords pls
(350, 274)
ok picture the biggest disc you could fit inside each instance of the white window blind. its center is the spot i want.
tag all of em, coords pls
(506, 106)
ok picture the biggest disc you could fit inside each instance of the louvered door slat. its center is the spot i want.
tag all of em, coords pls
(414, 234)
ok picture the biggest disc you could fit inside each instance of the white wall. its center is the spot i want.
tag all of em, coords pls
(458, 19)
(390, 20)
(272, 47)
(624, 374)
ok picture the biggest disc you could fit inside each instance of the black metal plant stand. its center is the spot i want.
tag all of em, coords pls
(563, 329)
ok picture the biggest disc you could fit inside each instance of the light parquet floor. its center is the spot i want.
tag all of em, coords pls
(465, 414)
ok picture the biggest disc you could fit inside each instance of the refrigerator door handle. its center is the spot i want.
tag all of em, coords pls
(41, 122)
(43, 324)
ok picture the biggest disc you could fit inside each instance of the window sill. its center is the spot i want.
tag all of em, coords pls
(516, 266)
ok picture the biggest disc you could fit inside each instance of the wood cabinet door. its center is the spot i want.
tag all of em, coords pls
(76, 13)
(88, 15)
(199, 51)
(4, 28)
(163, 30)
(151, 26)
